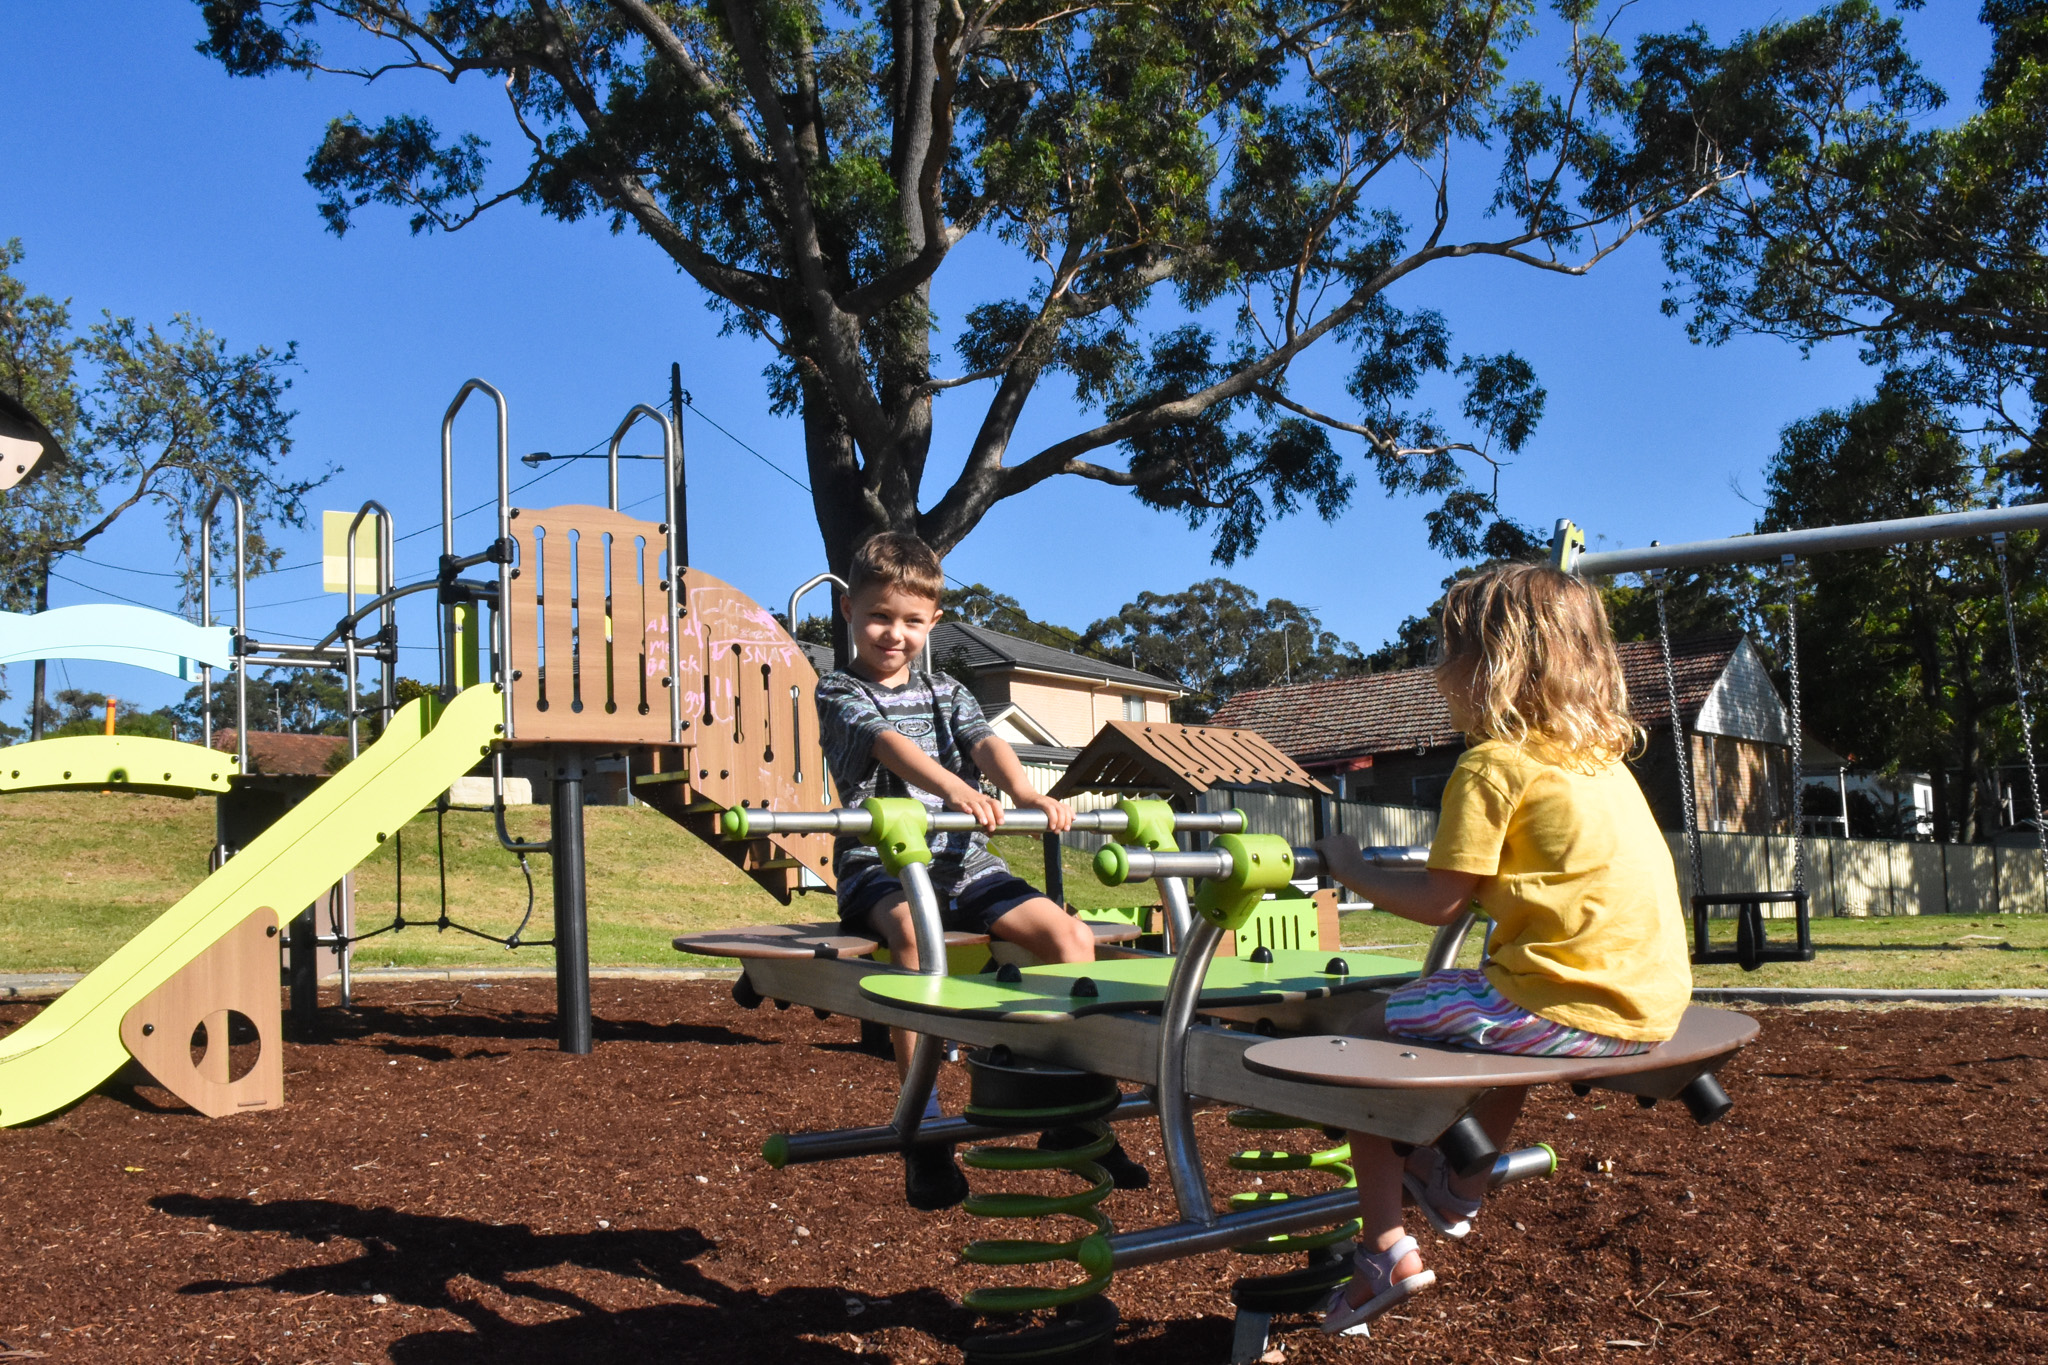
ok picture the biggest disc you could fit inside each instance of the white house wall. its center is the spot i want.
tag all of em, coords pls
(1744, 704)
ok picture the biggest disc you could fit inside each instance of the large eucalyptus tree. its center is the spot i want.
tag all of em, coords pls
(1194, 195)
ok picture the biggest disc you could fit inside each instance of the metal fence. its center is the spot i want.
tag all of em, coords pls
(1872, 876)
(1843, 876)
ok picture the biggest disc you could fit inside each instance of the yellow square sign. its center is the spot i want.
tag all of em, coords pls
(334, 553)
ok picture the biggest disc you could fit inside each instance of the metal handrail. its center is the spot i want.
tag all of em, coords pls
(388, 675)
(498, 637)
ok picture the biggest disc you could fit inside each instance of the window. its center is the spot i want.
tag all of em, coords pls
(1134, 708)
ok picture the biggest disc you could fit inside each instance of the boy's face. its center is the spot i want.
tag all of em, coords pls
(889, 627)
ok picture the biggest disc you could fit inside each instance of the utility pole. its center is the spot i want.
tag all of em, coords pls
(675, 408)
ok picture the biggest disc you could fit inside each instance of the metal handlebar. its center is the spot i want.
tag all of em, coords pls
(1142, 864)
(743, 822)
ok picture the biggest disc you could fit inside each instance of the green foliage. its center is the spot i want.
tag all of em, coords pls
(164, 417)
(1217, 639)
(297, 701)
(979, 605)
(1199, 194)
(79, 712)
(1928, 245)
(1905, 664)
(39, 368)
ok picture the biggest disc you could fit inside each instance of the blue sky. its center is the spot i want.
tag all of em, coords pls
(144, 181)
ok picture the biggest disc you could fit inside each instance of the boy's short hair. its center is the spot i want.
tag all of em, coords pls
(895, 560)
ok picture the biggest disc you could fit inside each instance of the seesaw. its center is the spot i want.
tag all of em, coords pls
(1052, 1043)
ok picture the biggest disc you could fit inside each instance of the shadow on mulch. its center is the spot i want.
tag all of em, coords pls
(449, 1019)
(415, 1259)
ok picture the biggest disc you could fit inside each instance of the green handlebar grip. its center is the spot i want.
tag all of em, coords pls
(775, 1151)
(734, 822)
(1151, 824)
(1112, 864)
(898, 833)
(1258, 863)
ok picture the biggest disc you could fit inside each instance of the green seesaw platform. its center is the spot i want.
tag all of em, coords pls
(1062, 991)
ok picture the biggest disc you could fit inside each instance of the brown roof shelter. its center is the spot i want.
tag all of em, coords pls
(1182, 762)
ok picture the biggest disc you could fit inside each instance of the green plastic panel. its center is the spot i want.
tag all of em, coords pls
(1044, 995)
(114, 761)
(62, 1053)
(112, 633)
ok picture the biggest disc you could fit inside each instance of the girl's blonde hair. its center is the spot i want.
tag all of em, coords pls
(1540, 655)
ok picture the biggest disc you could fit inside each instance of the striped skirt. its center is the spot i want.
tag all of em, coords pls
(1461, 1007)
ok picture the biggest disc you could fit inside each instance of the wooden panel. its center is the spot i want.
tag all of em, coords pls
(588, 624)
(750, 717)
(238, 973)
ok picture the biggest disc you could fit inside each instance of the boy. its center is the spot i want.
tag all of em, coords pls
(890, 730)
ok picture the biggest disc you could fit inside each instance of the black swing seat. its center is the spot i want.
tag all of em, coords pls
(828, 938)
(1752, 948)
(1706, 1039)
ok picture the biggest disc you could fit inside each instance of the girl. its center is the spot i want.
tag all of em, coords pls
(1544, 826)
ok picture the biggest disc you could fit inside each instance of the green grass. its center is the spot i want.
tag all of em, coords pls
(86, 871)
(89, 870)
(1966, 952)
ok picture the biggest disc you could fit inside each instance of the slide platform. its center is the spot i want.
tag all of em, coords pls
(58, 1057)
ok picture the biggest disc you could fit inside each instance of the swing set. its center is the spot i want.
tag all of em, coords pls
(1752, 947)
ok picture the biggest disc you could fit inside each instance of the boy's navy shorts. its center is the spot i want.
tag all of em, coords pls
(975, 910)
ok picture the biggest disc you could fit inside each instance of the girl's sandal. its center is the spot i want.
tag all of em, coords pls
(1376, 1268)
(1448, 1213)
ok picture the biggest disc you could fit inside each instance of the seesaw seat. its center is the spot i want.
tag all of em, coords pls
(1375, 1061)
(1045, 994)
(828, 938)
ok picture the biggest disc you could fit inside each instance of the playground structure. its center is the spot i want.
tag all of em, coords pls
(594, 644)
(601, 639)
(1285, 1036)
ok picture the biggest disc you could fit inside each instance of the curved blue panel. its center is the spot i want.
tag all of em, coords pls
(119, 634)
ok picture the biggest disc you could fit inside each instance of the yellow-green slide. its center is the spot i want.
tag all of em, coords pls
(62, 1053)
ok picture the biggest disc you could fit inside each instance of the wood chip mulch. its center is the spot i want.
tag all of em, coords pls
(443, 1185)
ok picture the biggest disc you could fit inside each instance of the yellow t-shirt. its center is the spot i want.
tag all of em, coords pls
(1577, 878)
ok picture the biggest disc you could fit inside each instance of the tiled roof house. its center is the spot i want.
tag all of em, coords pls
(1387, 737)
(1047, 702)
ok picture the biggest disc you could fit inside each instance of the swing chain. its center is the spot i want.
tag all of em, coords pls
(2019, 686)
(1790, 569)
(1678, 744)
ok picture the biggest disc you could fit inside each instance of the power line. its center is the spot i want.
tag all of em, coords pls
(104, 592)
(690, 403)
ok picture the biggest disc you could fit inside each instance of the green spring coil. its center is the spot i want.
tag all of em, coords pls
(1330, 1160)
(1090, 1251)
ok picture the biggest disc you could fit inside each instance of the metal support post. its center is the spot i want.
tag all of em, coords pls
(304, 948)
(1176, 1110)
(572, 925)
(1055, 870)
(923, 1072)
(1173, 894)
